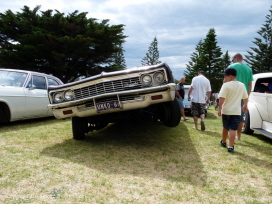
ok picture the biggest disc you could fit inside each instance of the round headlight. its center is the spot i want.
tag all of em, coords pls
(158, 77)
(58, 97)
(146, 80)
(69, 95)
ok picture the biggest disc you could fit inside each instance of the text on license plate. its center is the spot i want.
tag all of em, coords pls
(107, 105)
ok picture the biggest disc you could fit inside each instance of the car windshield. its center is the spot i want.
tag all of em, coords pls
(12, 78)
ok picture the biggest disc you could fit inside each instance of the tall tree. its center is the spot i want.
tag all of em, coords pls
(118, 60)
(50, 42)
(195, 65)
(152, 57)
(226, 60)
(208, 59)
(260, 58)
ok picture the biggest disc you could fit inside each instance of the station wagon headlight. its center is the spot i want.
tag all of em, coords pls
(158, 77)
(146, 80)
(58, 97)
(69, 95)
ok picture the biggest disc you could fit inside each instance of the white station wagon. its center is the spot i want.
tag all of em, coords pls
(23, 94)
(259, 116)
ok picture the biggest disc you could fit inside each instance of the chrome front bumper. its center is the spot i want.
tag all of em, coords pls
(145, 98)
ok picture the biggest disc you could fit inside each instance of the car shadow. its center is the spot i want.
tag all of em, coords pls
(24, 124)
(144, 149)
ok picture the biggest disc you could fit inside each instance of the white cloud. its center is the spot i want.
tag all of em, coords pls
(178, 25)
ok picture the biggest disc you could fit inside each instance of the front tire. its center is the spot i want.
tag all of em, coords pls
(169, 113)
(246, 128)
(79, 128)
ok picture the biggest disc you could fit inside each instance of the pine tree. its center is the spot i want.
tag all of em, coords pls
(195, 65)
(152, 57)
(208, 58)
(260, 58)
(226, 60)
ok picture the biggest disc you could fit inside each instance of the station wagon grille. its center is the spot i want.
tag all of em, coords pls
(107, 87)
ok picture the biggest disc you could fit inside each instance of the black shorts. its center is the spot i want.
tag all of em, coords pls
(231, 122)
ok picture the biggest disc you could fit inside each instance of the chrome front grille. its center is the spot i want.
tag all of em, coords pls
(107, 87)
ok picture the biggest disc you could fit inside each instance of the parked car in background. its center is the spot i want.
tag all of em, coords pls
(259, 115)
(23, 94)
(188, 104)
(142, 92)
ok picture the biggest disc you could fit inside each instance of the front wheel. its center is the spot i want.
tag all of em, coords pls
(246, 128)
(79, 127)
(169, 113)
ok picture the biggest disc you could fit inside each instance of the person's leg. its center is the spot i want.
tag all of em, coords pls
(202, 115)
(232, 137)
(224, 135)
(225, 130)
(241, 124)
(183, 115)
(194, 113)
(182, 110)
(195, 121)
(239, 130)
(233, 125)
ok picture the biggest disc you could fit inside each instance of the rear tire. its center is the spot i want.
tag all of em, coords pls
(79, 128)
(169, 113)
(246, 128)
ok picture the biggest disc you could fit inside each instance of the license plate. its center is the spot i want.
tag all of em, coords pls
(187, 106)
(102, 106)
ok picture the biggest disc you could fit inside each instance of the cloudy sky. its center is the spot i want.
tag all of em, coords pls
(178, 24)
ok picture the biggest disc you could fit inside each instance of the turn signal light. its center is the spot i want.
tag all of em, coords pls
(67, 112)
(156, 97)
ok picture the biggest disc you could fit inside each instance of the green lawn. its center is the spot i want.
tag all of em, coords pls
(131, 163)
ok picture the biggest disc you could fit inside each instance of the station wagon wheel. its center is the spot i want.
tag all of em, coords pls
(169, 113)
(246, 128)
(79, 127)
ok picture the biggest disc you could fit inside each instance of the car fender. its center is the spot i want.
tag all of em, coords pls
(5, 110)
(255, 117)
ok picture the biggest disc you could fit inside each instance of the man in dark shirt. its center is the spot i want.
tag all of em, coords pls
(180, 96)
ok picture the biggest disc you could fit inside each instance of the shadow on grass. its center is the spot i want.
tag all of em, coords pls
(142, 149)
(263, 150)
(25, 124)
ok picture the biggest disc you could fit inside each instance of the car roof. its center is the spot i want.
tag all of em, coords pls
(262, 75)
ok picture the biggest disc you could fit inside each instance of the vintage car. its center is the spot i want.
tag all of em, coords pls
(259, 116)
(143, 92)
(23, 94)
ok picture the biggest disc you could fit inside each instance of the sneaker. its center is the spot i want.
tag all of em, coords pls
(223, 144)
(202, 125)
(231, 149)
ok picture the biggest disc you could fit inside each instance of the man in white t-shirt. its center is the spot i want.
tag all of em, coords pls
(231, 94)
(200, 87)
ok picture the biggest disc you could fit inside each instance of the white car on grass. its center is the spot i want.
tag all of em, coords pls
(259, 116)
(23, 94)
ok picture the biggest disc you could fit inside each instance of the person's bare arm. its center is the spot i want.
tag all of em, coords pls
(221, 102)
(178, 95)
(189, 93)
(209, 96)
(249, 87)
(245, 109)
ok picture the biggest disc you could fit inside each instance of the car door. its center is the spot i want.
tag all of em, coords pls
(36, 97)
(269, 106)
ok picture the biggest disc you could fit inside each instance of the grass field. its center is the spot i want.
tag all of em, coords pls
(131, 163)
